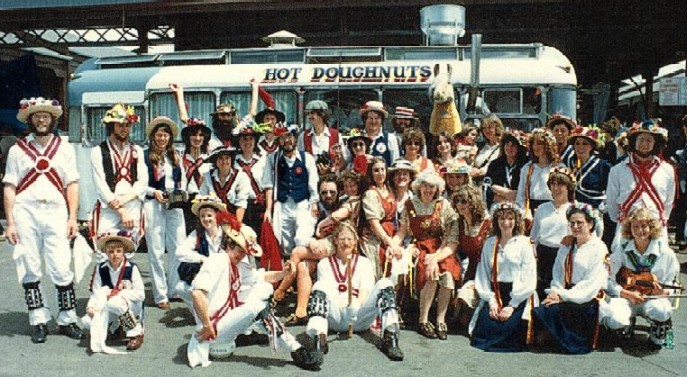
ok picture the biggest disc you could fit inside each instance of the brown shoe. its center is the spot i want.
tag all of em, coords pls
(135, 343)
(427, 329)
(442, 331)
(163, 305)
(321, 344)
(293, 320)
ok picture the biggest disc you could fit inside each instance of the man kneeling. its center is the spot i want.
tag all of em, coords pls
(225, 310)
(339, 303)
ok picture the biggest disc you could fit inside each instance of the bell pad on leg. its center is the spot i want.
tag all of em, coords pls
(33, 296)
(318, 305)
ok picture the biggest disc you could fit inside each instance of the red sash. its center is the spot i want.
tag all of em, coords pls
(42, 166)
(232, 299)
(223, 190)
(307, 139)
(192, 170)
(122, 163)
(246, 166)
(268, 148)
(644, 185)
(342, 277)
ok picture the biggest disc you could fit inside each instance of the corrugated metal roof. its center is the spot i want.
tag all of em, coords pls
(25, 4)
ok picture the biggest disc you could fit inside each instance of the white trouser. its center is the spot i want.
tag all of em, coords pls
(118, 305)
(621, 311)
(165, 230)
(42, 232)
(236, 322)
(294, 222)
(109, 221)
(339, 318)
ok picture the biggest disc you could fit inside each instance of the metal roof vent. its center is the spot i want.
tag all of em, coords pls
(283, 38)
(442, 24)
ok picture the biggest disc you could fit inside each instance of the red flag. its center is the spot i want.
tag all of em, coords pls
(271, 257)
(360, 164)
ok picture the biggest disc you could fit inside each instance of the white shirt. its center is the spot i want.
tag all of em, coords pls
(239, 191)
(256, 171)
(105, 195)
(666, 267)
(133, 293)
(550, 224)
(320, 143)
(187, 250)
(19, 164)
(589, 271)
(363, 276)
(516, 264)
(169, 177)
(191, 185)
(539, 190)
(621, 183)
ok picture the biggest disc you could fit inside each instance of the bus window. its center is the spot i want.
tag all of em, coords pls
(96, 129)
(344, 105)
(284, 101)
(562, 100)
(531, 100)
(200, 105)
(523, 124)
(416, 99)
(503, 101)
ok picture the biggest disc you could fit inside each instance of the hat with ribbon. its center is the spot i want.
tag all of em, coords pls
(122, 236)
(225, 108)
(243, 236)
(219, 151)
(35, 105)
(375, 106)
(558, 118)
(192, 126)
(402, 112)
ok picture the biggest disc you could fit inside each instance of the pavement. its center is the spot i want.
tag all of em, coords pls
(167, 333)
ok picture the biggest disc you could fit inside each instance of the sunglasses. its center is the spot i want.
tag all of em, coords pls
(327, 192)
(358, 145)
(414, 143)
(461, 201)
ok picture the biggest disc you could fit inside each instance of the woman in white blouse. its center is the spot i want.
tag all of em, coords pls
(505, 282)
(570, 311)
(533, 189)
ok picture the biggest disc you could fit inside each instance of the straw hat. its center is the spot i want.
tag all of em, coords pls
(373, 106)
(123, 236)
(202, 201)
(162, 120)
(35, 105)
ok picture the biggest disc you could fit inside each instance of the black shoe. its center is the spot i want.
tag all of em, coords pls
(442, 331)
(307, 360)
(293, 320)
(40, 333)
(390, 346)
(427, 329)
(71, 330)
(321, 344)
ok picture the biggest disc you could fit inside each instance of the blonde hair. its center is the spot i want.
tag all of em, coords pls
(642, 214)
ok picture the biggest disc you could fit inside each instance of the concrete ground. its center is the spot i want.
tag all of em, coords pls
(164, 351)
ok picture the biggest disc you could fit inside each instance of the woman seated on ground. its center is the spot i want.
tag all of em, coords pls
(427, 217)
(505, 282)
(642, 250)
(570, 311)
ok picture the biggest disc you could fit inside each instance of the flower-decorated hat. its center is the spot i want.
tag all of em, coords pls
(193, 125)
(355, 135)
(564, 171)
(123, 236)
(162, 120)
(243, 235)
(225, 108)
(505, 206)
(456, 167)
(557, 118)
(202, 201)
(283, 130)
(546, 133)
(120, 113)
(591, 133)
(588, 210)
(35, 105)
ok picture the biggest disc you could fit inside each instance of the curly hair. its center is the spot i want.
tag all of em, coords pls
(413, 134)
(585, 210)
(611, 126)
(343, 226)
(476, 204)
(641, 214)
(519, 227)
(431, 178)
(562, 179)
(352, 175)
(550, 147)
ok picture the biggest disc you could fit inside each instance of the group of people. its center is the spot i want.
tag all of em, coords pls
(554, 232)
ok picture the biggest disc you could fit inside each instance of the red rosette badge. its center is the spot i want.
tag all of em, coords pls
(298, 170)
(42, 164)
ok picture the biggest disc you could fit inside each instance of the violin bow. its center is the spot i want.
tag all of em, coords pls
(349, 274)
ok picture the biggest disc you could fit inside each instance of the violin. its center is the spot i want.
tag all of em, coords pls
(643, 282)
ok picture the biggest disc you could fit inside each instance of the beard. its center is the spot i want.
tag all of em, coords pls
(223, 128)
(643, 154)
(121, 139)
(47, 132)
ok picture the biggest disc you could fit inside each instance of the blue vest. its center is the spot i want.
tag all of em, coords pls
(292, 181)
(160, 184)
(386, 154)
(104, 272)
